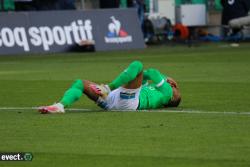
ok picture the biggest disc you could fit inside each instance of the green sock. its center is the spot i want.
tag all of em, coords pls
(73, 93)
(127, 75)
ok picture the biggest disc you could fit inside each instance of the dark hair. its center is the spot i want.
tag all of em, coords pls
(174, 102)
(176, 99)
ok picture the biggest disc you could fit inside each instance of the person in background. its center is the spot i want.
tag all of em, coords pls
(140, 6)
(233, 9)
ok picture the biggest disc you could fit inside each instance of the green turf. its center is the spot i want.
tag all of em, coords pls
(211, 78)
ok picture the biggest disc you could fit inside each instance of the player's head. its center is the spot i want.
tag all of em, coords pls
(176, 99)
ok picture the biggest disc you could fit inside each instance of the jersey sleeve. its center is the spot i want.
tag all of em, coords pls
(159, 80)
(152, 75)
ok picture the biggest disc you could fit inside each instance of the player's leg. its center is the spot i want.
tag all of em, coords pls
(135, 83)
(72, 95)
(130, 78)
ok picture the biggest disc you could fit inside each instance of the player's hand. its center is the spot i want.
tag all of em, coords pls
(172, 82)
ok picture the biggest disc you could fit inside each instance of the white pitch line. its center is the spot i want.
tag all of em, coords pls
(204, 112)
(166, 111)
(36, 108)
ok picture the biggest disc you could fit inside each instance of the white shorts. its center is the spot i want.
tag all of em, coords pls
(123, 99)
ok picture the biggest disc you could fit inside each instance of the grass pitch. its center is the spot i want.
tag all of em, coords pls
(214, 80)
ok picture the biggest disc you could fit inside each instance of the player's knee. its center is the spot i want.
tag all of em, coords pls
(153, 72)
(78, 84)
(137, 66)
(132, 74)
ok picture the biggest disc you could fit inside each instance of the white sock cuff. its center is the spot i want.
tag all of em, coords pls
(160, 83)
(60, 105)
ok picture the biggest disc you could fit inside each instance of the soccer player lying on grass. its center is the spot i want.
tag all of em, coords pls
(134, 89)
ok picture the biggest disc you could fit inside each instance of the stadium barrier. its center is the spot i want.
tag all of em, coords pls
(60, 31)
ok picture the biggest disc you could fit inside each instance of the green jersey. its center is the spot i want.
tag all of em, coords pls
(158, 93)
(152, 97)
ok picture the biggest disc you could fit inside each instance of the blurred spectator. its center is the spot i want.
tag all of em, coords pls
(109, 3)
(140, 6)
(233, 9)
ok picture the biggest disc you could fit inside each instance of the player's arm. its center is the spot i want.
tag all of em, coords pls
(172, 82)
(160, 81)
(146, 78)
(149, 75)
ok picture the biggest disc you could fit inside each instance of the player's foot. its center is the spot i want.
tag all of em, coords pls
(55, 108)
(102, 90)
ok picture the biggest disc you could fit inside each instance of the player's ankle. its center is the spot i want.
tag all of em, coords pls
(60, 105)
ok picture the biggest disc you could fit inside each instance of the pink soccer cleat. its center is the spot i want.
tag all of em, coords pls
(53, 109)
